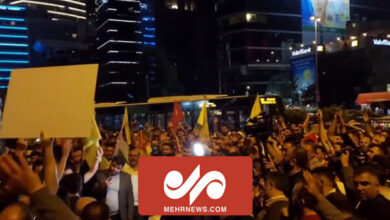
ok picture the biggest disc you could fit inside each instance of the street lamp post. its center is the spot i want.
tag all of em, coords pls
(316, 21)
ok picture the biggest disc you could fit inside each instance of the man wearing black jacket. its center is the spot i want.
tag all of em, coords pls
(371, 204)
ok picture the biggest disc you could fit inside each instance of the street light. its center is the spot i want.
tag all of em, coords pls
(247, 90)
(316, 21)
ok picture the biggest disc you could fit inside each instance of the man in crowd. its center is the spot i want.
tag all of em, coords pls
(72, 185)
(371, 204)
(78, 164)
(325, 180)
(108, 154)
(132, 169)
(276, 205)
(20, 178)
(291, 152)
(167, 149)
(115, 188)
(96, 211)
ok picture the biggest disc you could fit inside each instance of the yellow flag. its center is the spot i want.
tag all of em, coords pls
(203, 125)
(92, 144)
(256, 109)
(126, 127)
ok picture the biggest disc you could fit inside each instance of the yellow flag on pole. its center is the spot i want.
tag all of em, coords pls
(92, 144)
(203, 125)
(256, 109)
(126, 127)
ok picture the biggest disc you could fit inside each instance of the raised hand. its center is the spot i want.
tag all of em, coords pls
(45, 141)
(280, 118)
(344, 159)
(99, 154)
(19, 177)
(311, 184)
(21, 144)
(269, 165)
(107, 182)
(319, 115)
(366, 117)
(67, 146)
(119, 138)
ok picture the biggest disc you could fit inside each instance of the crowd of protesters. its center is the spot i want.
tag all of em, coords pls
(309, 171)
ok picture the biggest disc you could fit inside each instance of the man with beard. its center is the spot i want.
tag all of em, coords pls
(115, 188)
(108, 154)
(132, 169)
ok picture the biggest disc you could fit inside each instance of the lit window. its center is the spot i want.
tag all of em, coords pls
(174, 7)
(355, 43)
(193, 6)
(172, 4)
(186, 5)
(250, 17)
(235, 19)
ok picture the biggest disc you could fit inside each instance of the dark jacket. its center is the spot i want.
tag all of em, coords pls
(376, 209)
(274, 212)
(340, 201)
(126, 198)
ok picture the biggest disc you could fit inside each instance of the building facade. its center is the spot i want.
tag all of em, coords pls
(186, 47)
(14, 43)
(57, 32)
(148, 66)
(119, 42)
(253, 44)
(362, 10)
(56, 9)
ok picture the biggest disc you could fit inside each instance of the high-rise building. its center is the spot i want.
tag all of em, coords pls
(14, 43)
(148, 61)
(119, 41)
(56, 9)
(352, 63)
(333, 17)
(370, 10)
(57, 31)
(254, 39)
(186, 46)
(368, 17)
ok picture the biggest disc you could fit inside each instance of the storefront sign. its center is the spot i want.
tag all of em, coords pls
(301, 52)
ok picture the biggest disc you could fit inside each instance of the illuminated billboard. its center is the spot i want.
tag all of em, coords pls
(303, 74)
(333, 14)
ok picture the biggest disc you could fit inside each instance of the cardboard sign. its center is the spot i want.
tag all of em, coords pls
(58, 100)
